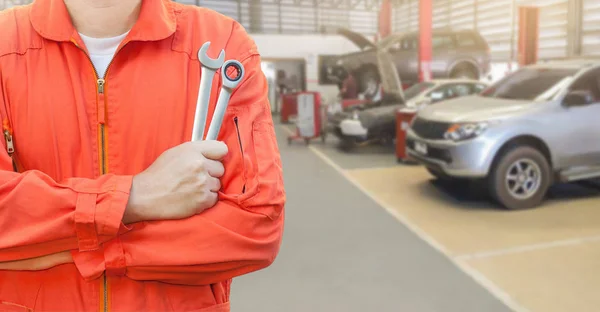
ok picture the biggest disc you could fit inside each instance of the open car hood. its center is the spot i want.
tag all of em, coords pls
(390, 79)
(359, 40)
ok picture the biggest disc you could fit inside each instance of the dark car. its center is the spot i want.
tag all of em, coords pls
(376, 122)
(456, 54)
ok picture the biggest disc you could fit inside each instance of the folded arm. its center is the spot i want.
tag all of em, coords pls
(240, 234)
(40, 217)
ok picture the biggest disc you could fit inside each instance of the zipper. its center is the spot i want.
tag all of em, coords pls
(102, 121)
(10, 147)
(100, 87)
(237, 129)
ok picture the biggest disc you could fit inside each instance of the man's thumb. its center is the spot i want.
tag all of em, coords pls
(214, 150)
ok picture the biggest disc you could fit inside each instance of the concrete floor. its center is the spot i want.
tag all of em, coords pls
(366, 234)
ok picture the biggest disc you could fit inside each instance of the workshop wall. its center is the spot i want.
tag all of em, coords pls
(308, 48)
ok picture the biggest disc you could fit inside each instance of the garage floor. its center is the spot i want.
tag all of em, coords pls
(366, 234)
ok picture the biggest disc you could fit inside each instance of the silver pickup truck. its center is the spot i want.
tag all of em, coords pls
(535, 127)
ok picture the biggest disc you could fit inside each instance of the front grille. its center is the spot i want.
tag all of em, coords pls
(432, 152)
(430, 130)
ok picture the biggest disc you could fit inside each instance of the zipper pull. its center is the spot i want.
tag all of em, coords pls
(101, 86)
(101, 104)
(10, 146)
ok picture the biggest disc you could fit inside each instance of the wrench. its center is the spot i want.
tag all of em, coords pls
(209, 68)
(224, 95)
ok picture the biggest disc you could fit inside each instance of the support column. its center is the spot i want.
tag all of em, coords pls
(255, 12)
(385, 19)
(529, 36)
(425, 33)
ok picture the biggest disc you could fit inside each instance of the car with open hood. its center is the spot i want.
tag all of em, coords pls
(537, 126)
(376, 122)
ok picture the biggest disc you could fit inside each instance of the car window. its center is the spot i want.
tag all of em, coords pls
(449, 91)
(441, 93)
(461, 89)
(409, 44)
(416, 89)
(466, 40)
(589, 82)
(442, 42)
(530, 83)
(478, 87)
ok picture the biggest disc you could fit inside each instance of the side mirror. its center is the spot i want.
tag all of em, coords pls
(578, 98)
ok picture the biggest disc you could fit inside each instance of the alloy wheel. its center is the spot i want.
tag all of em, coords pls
(523, 179)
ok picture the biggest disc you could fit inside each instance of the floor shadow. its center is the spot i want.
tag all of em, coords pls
(474, 195)
(371, 149)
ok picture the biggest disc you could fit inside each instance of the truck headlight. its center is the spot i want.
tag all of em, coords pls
(465, 131)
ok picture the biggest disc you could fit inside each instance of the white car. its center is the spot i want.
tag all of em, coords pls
(377, 122)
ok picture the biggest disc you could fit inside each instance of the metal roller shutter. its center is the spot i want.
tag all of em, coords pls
(405, 16)
(232, 8)
(493, 22)
(462, 14)
(441, 13)
(591, 27)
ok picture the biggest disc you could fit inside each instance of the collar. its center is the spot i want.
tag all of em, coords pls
(51, 20)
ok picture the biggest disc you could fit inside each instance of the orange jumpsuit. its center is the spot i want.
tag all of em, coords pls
(76, 139)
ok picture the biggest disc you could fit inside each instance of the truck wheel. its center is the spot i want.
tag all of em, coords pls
(520, 178)
(465, 71)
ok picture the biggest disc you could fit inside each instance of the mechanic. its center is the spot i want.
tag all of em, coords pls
(349, 87)
(105, 205)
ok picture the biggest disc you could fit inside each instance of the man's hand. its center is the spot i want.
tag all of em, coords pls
(182, 182)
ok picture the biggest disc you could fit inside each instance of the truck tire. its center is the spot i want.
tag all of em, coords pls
(520, 178)
(465, 71)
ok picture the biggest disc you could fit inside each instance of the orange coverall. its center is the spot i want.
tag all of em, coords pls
(79, 138)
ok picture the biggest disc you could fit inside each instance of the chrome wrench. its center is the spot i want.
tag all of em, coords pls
(209, 68)
(229, 84)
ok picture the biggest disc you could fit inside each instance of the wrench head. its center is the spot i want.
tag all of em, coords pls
(238, 70)
(207, 61)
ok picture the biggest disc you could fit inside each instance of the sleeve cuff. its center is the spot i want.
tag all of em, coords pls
(100, 213)
(111, 207)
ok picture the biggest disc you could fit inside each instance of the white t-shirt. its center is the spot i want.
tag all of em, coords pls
(102, 50)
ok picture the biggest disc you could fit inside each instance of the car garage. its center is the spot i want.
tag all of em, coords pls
(436, 156)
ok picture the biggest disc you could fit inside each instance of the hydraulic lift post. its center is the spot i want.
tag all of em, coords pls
(406, 115)
(425, 33)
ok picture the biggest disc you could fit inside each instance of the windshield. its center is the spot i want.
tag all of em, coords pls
(534, 84)
(415, 89)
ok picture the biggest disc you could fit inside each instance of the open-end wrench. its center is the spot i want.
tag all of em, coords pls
(224, 95)
(209, 68)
